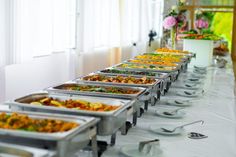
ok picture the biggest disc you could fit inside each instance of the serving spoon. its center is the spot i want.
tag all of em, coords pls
(172, 112)
(181, 126)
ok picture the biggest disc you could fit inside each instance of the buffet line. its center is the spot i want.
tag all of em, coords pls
(68, 117)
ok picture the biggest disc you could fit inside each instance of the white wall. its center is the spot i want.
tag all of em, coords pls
(2, 84)
(95, 61)
(40, 73)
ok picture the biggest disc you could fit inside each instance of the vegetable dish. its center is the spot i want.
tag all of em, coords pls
(74, 104)
(120, 79)
(17, 121)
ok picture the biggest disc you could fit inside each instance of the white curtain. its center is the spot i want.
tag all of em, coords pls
(157, 16)
(136, 23)
(113, 23)
(40, 27)
(99, 24)
(3, 36)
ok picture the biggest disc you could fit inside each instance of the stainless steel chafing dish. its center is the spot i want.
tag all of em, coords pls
(179, 65)
(170, 70)
(130, 61)
(82, 80)
(13, 150)
(173, 73)
(161, 78)
(109, 122)
(63, 144)
(166, 78)
(134, 97)
(61, 89)
(153, 90)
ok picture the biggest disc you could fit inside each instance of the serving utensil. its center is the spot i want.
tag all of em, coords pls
(172, 112)
(173, 130)
(192, 93)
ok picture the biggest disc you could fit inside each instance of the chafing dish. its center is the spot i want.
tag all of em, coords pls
(64, 144)
(63, 88)
(12, 150)
(140, 61)
(109, 123)
(83, 80)
(166, 78)
(164, 69)
(135, 97)
(153, 89)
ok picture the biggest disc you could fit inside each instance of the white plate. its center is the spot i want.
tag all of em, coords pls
(193, 80)
(179, 102)
(178, 114)
(197, 76)
(199, 72)
(192, 94)
(188, 86)
(158, 130)
(132, 151)
(200, 67)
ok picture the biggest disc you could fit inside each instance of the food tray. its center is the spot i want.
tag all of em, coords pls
(81, 80)
(130, 62)
(9, 150)
(190, 54)
(80, 135)
(174, 69)
(152, 59)
(109, 122)
(130, 72)
(61, 89)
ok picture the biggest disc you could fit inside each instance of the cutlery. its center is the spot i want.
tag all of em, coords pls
(193, 79)
(180, 102)
(173, 130)
(172, 112)
(192, 93)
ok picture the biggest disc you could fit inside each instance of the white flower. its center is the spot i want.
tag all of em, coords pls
(174, 8)
(198, 12)
(182, 1)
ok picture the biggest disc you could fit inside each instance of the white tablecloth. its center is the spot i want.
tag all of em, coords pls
(216, 107)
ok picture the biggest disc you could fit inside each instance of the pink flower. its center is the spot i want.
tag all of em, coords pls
(169, 22)
(201, 23)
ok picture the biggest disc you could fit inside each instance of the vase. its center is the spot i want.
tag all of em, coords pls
(173, 38)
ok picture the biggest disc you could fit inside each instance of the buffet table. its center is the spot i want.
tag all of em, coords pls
(216, 108)
(115, 97)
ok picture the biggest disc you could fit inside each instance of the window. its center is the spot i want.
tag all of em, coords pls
(41, 27)
(112, 23)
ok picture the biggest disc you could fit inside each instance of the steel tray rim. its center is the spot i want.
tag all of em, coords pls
(91, 121)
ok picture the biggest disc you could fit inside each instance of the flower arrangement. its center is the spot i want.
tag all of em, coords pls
(201, 22)
(169, 22)
(174, 19)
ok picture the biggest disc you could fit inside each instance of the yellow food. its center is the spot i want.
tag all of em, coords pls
(76, 104)
(17, 121)
(161, 63)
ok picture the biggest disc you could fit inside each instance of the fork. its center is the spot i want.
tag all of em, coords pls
(173, 130)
